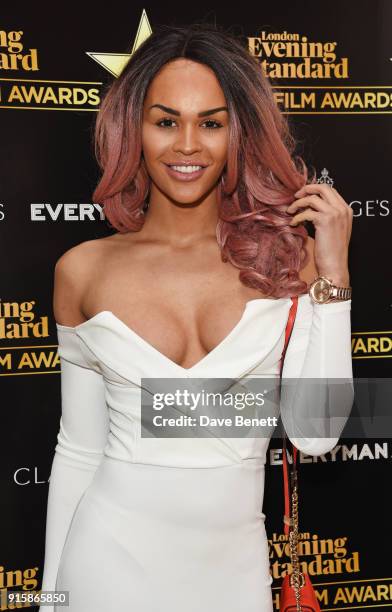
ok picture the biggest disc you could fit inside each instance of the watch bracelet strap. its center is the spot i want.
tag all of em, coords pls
(341, 293)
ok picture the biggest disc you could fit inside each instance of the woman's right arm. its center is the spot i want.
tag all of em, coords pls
(82, 436)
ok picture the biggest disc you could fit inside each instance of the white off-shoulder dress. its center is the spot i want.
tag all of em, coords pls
(172, 524)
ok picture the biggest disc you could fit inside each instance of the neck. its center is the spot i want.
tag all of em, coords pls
(180, 224)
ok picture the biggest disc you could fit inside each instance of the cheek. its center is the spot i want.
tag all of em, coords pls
(218, 148)
(152, 142)
(219, 143)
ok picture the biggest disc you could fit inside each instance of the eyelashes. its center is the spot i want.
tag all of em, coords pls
(217, 124)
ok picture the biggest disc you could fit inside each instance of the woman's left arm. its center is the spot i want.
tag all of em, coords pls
(315, 405)
(317, 378)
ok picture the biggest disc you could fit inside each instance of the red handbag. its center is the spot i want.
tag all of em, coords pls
(296, 593)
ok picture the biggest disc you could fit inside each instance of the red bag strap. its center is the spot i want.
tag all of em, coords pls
(286, 488)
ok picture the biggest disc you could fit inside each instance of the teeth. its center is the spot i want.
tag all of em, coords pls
(186, 169)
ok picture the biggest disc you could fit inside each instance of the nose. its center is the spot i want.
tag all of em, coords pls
(187, 140)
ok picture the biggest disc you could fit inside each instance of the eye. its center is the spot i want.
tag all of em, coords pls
(162, 120)
(217, 125)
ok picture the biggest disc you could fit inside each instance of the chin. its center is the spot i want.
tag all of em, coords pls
(189, 200)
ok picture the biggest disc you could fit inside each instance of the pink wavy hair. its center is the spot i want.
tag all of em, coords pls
(261, 174)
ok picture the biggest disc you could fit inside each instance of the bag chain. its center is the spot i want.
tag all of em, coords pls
(297, 579)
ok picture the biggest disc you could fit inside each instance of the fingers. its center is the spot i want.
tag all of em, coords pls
(322, 198)
(325, 192)
(306, 215)
(316, 202)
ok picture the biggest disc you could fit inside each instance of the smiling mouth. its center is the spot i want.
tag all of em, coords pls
(186, 166)
(185, 172)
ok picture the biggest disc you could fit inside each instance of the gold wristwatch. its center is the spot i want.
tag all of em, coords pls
(322, 291)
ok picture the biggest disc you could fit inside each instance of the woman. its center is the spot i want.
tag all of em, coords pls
(200, 182)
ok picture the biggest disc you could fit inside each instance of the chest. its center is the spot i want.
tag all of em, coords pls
(181, 309)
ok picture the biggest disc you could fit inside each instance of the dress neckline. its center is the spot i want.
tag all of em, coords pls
(142, 341)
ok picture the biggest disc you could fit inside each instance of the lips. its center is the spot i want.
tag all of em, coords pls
(184, 176)
(186, 164)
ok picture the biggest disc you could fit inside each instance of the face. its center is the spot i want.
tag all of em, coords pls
(185, 124)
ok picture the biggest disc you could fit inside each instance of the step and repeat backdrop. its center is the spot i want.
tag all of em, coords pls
(331, 69)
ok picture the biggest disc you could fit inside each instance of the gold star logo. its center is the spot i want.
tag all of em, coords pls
(116, 62)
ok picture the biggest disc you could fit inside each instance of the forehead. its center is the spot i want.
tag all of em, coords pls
(184, 84)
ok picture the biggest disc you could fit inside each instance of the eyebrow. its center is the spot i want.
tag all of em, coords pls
(205, 113)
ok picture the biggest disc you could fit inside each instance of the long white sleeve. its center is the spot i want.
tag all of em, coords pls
(319, 348)
(84, 426)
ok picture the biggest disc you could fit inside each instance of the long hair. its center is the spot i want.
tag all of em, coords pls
(261, 174)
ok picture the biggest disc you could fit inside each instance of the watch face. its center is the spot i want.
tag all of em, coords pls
(321, 290)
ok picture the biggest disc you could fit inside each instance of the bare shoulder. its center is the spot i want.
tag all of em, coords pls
(72, 274)
(309, 272)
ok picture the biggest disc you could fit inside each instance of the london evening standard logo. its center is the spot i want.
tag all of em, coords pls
(337, 567)
(292, 56)
(16, 56)
(282, 55)
(20, 327)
